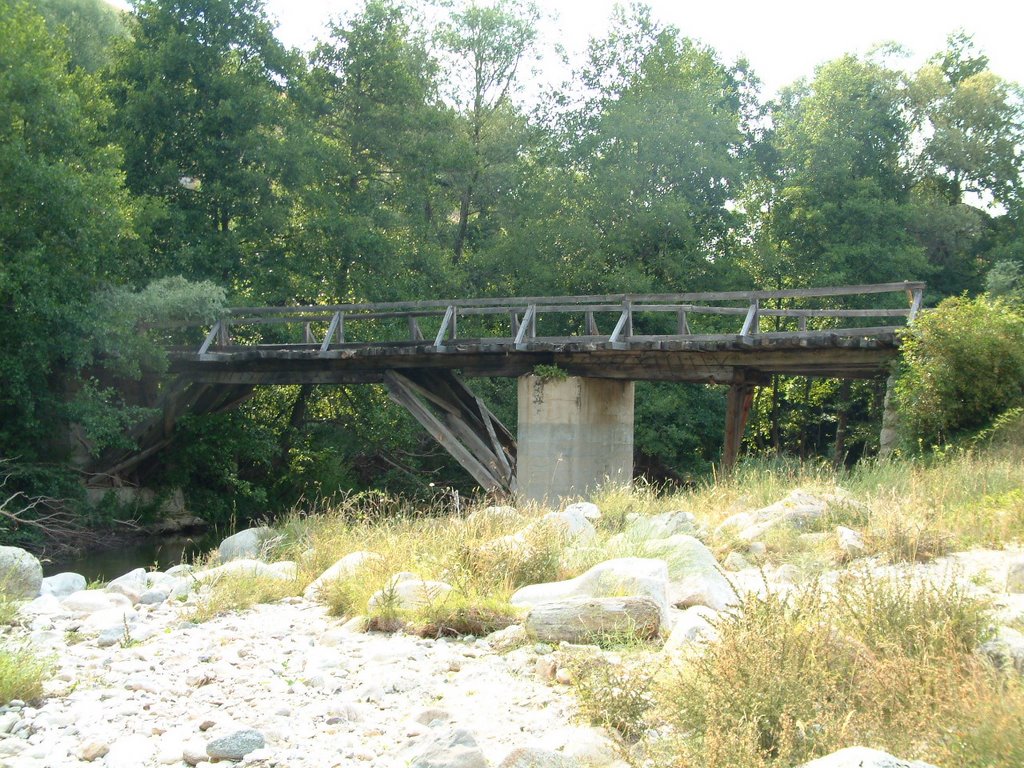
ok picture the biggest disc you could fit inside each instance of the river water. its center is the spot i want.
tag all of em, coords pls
(160, 552)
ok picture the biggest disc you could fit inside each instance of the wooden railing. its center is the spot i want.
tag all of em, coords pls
(326, 326)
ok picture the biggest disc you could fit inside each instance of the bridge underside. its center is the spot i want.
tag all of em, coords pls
(711, 361)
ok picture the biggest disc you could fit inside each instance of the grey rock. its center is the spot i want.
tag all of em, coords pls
(862, 757)
(850, 542)
(695, 577)
(447, 748)
(630, 576)
(526, 757)
(734, 561)
(1015, 577)
(588, 509)
(662, 526)
(236, 745)
(21, 575)
(247, 544)
(1005, 650)
(154, 596)
(62, 584)
(343, 569)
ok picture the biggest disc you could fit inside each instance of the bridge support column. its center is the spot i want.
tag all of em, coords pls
(737, 409)
(574, 434)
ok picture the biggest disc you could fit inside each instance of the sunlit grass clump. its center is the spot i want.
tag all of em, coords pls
(874, 661)
(22, 672)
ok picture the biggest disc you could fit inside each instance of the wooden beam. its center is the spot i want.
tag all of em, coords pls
(442, 434)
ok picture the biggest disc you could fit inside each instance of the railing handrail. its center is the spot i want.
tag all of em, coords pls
(617, 299)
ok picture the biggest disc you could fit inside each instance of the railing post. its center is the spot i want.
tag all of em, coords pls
(915, 305)
(448, 319)
(751, 324)
(683, 323)
(528, 326)
(331, 330)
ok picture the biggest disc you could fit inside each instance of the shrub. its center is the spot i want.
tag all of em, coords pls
(614, 693)
(963, 364)
(22, 672)
(236, 592)
(874, 660)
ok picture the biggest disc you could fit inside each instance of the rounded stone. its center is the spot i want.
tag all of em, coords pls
(235, 746)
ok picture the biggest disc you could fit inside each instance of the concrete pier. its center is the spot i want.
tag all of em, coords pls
(574, 434)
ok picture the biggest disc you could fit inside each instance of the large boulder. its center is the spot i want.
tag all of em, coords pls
(1015, 576)
(445, 748)
(863, 757)
(62, 584)
(695, 577)
(243, 568)
(1005, 650)
(661, 526)
(132, 584)
(407, 592)
(21, 575)
(343, 569)
(798, 510)
(692, 629)
(91, 601)
(627, 576)
(586, 619)
(249, 544)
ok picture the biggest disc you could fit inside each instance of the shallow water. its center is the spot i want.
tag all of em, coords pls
(160, 552)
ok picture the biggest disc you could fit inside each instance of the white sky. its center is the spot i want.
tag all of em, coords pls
(783, 39)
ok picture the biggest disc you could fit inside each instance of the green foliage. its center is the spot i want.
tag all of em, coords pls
(614, 693)
(549, 373)
(963, 364)
(875, 660)
(90, 28)
(63, 220)
(22, 672)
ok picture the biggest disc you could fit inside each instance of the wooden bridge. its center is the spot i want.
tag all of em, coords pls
(734, 338)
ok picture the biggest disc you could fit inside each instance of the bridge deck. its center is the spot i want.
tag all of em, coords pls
(316, 345)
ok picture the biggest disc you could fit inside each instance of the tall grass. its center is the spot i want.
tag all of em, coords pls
(22, 672)
(876, 661)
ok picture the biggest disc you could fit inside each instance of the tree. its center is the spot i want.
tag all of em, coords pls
(840, 211)
(64, 223)
(963, 365)
(89, 28)
(969, 169)
(201, 113)
(487, 45)
(973, 125)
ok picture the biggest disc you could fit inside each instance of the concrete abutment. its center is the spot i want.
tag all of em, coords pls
(575, 434)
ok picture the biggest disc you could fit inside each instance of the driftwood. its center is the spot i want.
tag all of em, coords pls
(586, 619)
